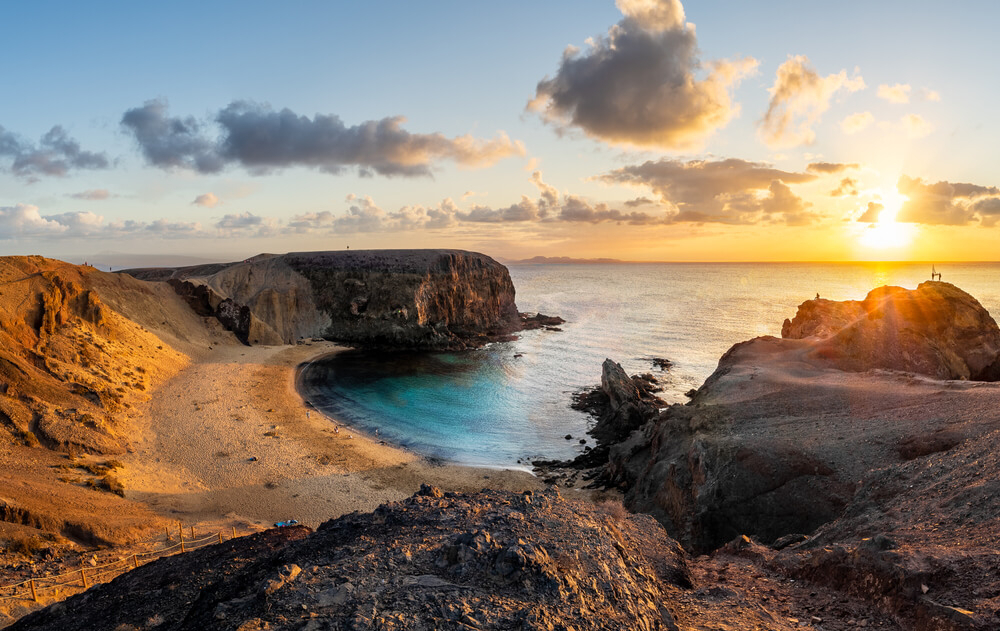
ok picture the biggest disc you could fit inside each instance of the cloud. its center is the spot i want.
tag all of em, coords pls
(946, 203)
(97, 194)
(55, 154)
(926, 94)
(725, 191)
(870, 215)
(171, 142)
(262, 140)
(638, 86)
(848, 186)
(640, 201)
(830, 168)
(24, 221)
(799, 97)
(915, 126)
(899, 93)
(208, 200)
(857, 122)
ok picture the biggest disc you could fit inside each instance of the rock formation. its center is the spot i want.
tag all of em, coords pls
(424, 299)
(936, 330)
(490, 560)
(776, 441)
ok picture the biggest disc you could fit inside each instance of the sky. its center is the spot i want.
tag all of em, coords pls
(645, 130)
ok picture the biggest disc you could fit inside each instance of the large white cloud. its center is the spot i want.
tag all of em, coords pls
(640, 85)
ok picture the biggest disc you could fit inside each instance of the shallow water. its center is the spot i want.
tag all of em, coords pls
(509, 402)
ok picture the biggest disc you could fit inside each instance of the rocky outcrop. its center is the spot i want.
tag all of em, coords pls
(423, 299)
(621, 405)
(71, 367)
(936, 330)
(489, 560)
(778, 438)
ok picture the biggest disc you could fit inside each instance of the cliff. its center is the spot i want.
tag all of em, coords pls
(424, 299)
(936, 330)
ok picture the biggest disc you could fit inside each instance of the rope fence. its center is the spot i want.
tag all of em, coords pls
(32, 588)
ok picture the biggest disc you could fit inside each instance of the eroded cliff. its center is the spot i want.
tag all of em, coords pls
(424, 299)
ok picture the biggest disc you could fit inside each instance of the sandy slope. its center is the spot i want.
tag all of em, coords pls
(192, 458)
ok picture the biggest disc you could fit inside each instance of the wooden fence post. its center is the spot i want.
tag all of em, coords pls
(234, 532)
(34, 594)
(83, 575)
(135, 562)
(192, 531)
(182, 541)
(220, 536)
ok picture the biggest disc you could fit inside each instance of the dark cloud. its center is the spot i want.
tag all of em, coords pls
(637, 84)
(946, 203)
(847, 187)
(171, 142)
(871, 213)
(55, 154)
(830, 168)
(260, 139)
(97, 194)
(640, 201)
(726, 191)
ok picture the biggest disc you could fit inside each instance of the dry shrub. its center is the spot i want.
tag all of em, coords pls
(613, 509)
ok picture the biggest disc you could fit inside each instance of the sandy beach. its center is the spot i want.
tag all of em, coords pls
(228, 442)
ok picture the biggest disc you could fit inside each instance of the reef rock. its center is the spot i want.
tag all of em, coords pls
(423, 299)
(936, 330)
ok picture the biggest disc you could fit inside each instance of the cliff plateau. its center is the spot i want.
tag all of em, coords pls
(420, 299)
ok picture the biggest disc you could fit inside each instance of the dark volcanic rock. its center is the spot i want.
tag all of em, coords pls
(776, 442)
(936, 330)
(490, 560)
(419, 299)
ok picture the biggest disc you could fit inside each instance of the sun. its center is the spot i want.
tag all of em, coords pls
(886, 233)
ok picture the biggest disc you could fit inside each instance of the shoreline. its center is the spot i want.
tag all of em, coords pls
(229, 441)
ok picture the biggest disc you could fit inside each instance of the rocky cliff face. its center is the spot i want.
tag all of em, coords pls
(426, 299)
(778, 437)
(936, 330)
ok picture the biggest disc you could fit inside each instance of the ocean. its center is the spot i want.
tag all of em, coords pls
(509, 403)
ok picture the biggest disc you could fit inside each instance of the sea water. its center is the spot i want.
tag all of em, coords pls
(509, 403)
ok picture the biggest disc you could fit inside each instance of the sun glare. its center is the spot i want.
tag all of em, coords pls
(886, 233)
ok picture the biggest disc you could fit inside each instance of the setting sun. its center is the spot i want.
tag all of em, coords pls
(885, 233)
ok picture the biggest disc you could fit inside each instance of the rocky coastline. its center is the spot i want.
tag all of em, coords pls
(376, 299)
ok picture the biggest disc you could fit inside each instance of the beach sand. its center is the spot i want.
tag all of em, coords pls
(229, 442)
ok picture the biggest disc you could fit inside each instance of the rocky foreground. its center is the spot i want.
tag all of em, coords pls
(488, 560)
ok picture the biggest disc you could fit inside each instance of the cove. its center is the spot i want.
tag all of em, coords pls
(485, 407)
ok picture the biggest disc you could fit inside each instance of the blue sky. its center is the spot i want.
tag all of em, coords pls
(477, 168)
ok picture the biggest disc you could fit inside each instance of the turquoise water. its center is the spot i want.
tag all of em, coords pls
(509, 402)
